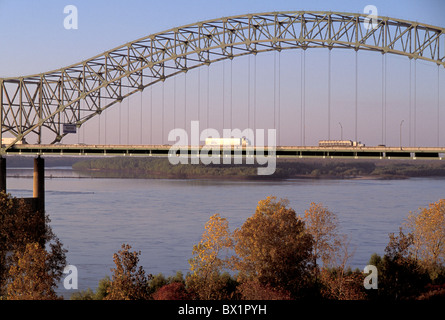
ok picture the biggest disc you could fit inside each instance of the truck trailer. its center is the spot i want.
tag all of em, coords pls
(339, 143)
(227, 142)
(8, 141)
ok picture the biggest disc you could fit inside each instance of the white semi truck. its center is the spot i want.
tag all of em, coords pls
(339, 143)
(8, 141)
(227, 142)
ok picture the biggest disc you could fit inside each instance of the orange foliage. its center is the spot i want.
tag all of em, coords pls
(171, 291)
(253, 290)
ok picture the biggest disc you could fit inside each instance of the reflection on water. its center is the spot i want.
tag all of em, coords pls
(165, 218)
(53, 172)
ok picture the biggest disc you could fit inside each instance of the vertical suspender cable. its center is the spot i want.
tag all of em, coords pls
(386, 80)
(329, 94)
(303, 97)
(415, 100)
(208, 95)
(356, 95)
(185, 101)
(140, 119)
(383, 97)
(410, 102)
(274, 87)
(83, 125)
(105, 128)
(438, 103)
(279, 97)
(120, 122)
(78, 132)
(128, 116)
(99, 131)
(174, 104)
(254, 94)
(199, 94)
(248, 92)
(151, 115)
(223, 94)
(99, 120)
(162, 119)
(231, 94)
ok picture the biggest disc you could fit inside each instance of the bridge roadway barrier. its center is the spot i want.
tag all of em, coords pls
(300, 152)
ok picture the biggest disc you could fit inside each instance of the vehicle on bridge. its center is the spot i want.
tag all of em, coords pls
(8, 141)
(227, 142)
(339, 143)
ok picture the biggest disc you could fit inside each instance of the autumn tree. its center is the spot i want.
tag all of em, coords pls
(331, 251)
(128, 282)
(273, 247)
(20, 226)
(210, 259)
(159, 280)
(253, 290)
(337, 281)
(171, 291)
(323, 225)
(32, 278)
(342, 284)
(427, 227)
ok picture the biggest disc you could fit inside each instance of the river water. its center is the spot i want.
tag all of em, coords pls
(164, 218)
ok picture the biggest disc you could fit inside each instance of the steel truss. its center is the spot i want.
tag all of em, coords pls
(77, 93)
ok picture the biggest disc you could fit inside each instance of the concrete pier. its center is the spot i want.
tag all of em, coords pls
(38, 191)
(2, 174)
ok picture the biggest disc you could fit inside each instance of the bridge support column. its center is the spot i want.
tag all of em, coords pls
(38, 190)
(2, 174)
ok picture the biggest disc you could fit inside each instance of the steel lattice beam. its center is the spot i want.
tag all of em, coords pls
(78, 92)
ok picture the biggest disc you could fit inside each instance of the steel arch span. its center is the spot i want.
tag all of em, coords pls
(51, 99)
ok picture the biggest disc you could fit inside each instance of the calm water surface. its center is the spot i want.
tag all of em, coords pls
(164, 218)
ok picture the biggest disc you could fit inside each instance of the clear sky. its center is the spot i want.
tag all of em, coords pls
(34, 40)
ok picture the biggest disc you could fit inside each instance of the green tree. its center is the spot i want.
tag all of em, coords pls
(273, 248)
(400, 276)
(128, 282)
(88, 294)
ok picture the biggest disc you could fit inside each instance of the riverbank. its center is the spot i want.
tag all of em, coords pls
(160, 168)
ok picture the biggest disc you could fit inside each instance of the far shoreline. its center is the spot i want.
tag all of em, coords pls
(286, 169)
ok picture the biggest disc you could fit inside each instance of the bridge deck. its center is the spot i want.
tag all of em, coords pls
(379, 152)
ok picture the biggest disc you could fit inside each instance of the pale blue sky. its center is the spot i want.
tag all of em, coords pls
(34, 40)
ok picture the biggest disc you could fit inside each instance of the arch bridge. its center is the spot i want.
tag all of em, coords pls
(51, 101)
